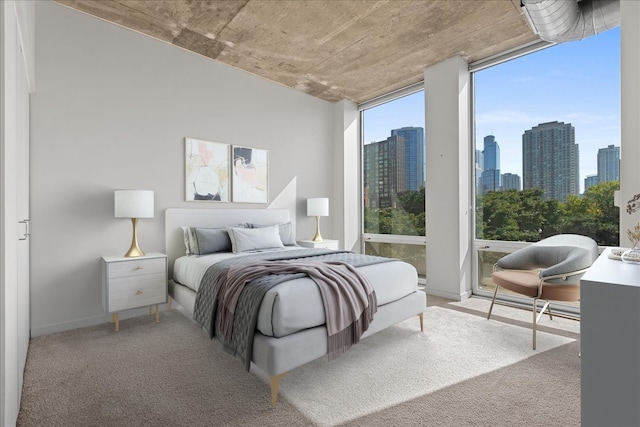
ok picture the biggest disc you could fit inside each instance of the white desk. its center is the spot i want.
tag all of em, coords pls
(610, 343)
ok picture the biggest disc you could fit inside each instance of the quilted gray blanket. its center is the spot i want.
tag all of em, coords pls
(240, 340)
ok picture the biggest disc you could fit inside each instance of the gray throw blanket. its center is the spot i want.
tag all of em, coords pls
(237, 331)
(348, 297)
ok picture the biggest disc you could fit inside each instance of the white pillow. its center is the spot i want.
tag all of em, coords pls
(254, 239)
(287, 234)
(186, 235)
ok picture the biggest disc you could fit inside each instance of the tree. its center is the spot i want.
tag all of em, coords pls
(594, 214)
(552, 215)
(512, 215)
(412, 201)
(407, 219)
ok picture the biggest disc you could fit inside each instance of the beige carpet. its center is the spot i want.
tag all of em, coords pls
(463, 370)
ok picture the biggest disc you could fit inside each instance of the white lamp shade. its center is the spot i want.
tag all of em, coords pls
(318, 207)
(133, 203)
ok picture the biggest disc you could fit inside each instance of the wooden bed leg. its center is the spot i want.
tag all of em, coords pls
(275, 383)
(169, 304)
(421, 316)
(116, 320)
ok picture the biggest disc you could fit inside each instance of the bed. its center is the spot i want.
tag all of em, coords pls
(288, 333)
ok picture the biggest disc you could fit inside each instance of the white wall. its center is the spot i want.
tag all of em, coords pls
(111, 111)
(347, 199)
(448, 205)
(629, 112)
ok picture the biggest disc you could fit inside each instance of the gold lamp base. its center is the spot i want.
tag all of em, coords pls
(317, 237)
(134, 250)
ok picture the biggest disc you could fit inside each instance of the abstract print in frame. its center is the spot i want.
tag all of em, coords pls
(207, 170)
(250, 175)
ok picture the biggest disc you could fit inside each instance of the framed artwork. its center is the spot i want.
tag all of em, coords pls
(250, 175)
(207, 169)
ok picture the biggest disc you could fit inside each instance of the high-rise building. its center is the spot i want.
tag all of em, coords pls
(511, 181)
(608, 164)
(414, 160)
(491, 172)
(590, 181)
(384, 172)
(479, 168)
(550, 160)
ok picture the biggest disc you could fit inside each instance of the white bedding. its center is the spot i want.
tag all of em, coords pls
(296, 304)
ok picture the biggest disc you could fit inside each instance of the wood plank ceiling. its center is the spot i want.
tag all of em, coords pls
(336, 49)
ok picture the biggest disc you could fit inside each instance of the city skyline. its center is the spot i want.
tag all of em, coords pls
(489, 178)
(575, 82)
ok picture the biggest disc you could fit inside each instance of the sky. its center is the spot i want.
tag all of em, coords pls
(576, 82)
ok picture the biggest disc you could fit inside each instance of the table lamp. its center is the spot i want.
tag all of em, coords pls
(133, 204)
(318, 207)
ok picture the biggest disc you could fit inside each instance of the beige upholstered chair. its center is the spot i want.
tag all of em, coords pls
(549, 270)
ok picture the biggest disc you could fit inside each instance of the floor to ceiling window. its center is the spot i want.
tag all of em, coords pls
(393, 167)
(547, 148)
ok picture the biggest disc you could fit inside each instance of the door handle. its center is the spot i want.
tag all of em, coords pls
(26, 233)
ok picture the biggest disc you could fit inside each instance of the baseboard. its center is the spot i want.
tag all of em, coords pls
(448, 295)
(89, 321)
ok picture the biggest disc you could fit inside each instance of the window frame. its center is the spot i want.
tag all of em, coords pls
(375, 237)
(478, 245)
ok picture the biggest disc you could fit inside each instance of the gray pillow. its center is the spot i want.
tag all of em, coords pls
(254, 239)
(209, 240)
(287, 235)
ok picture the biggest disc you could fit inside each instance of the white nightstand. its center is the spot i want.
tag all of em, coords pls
(325, 244)
(133, 282)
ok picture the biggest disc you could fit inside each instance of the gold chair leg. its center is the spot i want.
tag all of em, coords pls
(492, 301)
(275, 383)
(421, 316)
(535, 315)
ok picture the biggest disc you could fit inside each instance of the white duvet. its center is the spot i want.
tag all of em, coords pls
(296, 304)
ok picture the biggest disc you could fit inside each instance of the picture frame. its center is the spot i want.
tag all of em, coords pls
(250, 175)
(207, 171)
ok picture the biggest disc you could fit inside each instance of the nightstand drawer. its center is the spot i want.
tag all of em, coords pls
(322, 244)
(325, 245)
(137, 267)
(137, 291)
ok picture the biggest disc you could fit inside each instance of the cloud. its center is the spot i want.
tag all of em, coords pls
(506, 117)
(590, 118)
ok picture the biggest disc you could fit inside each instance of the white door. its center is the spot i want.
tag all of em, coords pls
(14, 206)
(22, 195)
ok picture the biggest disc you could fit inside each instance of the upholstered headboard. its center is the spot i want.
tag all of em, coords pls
(175, 218)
